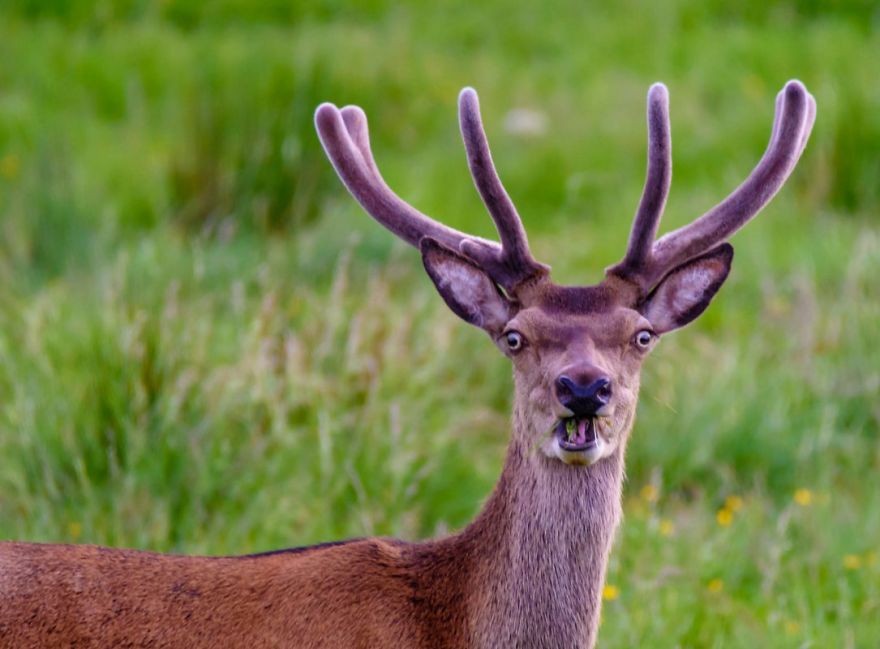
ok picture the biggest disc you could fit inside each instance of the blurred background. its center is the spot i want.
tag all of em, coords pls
(207, 347)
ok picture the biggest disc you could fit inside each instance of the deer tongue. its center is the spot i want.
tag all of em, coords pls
(578, 432)
(584, 428)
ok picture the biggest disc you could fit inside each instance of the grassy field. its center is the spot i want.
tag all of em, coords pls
(206, 347)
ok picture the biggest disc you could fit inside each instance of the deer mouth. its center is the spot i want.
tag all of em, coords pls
(575, 434)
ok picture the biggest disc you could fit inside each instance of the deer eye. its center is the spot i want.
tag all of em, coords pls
(643, 339)
(514, 340)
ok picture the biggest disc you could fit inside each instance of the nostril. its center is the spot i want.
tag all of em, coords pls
(583, 398)
(565, 387)
(603, 390)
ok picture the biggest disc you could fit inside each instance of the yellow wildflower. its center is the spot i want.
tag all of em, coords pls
(792, 627)
(803, 497)
(724, 517)
(733, 503)
(649, 493)
(852, 562)
(666, 527)
(74, 529)
(715, 586)
(610, 593)
(9, 166)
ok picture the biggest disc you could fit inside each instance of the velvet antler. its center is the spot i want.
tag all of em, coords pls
(346, 140)
(647, 261)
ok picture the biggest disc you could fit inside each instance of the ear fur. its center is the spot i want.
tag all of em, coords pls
(686, 291)
(465, 287)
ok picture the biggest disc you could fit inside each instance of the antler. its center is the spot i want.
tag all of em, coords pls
(657, 181)
(645, 263)
(346, 140)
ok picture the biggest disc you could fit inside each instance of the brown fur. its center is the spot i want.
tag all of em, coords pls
(528, 572)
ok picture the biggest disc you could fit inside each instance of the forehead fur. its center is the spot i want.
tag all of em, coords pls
(559, 315)
(577, 300)
(605, 327)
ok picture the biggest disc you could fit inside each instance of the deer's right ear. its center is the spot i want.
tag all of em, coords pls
(686, 292)
(465, 287)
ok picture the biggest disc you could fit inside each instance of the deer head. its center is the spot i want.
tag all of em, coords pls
(577, 351)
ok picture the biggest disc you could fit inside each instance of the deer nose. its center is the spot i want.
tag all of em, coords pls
(583, 400)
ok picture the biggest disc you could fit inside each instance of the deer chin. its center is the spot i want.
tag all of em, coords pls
(580, 441)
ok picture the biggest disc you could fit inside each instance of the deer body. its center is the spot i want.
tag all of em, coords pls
(522, 567)
(506, 579)
(528, 572)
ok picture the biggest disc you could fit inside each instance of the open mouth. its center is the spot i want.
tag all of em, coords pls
(576, 434)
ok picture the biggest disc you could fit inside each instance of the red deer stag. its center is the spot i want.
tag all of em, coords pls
(528, 572)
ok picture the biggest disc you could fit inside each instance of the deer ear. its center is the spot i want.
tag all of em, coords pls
(465, 287)
(686, 291)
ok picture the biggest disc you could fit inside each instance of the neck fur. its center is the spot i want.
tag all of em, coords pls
(540, 548)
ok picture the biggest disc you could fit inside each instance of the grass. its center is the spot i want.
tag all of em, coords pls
(205, 347)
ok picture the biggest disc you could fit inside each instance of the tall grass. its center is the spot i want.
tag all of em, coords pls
(206, 347)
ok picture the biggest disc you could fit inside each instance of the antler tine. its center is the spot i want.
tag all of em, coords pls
(345, 137)
(811, 119)
(495, 197)
(657, 181)
(514, 264)
(808, 126)
(355, 120)
(795, 114)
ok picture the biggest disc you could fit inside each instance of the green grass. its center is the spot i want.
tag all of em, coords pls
(206, 347)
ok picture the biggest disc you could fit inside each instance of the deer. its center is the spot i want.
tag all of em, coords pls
(529, 570)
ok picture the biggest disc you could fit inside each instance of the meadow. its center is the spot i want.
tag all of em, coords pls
(207, 347)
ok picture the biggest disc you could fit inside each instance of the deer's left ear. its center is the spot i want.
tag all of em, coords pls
(466, 288)
(686, 291)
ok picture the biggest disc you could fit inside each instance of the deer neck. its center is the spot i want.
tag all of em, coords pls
(541, 546)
